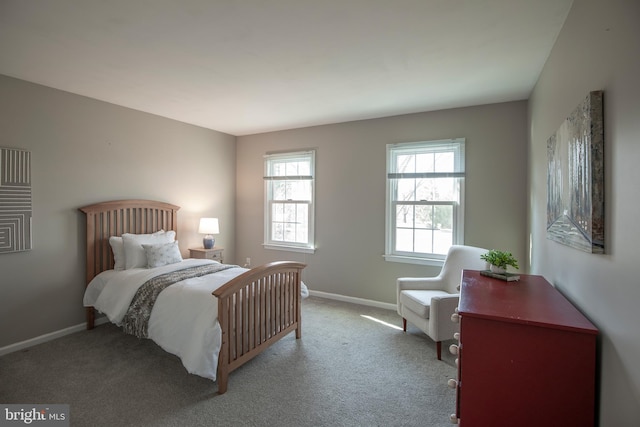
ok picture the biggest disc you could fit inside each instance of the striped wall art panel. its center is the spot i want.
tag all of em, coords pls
(15, 200)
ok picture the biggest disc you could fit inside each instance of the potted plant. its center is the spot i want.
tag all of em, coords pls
(499, 260)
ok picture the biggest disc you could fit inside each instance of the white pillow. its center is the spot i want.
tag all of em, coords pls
(133, 250)
(162, 254)
(117, 247)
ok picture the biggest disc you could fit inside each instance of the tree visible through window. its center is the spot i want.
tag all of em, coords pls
(289, 194)
(425, 182)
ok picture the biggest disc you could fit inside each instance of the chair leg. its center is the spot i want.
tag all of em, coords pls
(404, 324)
(439, 349)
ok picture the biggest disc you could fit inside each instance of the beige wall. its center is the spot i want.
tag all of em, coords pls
(350, 187)
(85, 151)
(598, 48)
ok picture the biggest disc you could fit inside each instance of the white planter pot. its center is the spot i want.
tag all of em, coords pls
(497, 270)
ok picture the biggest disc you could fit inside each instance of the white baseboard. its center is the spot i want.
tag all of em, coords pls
(48, 337)
(353, 300)
(80, 327)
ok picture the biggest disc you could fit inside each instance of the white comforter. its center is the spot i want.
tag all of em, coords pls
(184, 318)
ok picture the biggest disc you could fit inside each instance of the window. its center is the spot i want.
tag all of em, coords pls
(425, 195)
(289, 196)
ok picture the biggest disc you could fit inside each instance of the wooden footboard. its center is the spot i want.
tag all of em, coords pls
(255, 310)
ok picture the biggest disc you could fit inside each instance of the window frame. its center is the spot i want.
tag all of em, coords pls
(269, 179)
(457, 145)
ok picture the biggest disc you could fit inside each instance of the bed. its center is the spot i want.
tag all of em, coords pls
(250, 309)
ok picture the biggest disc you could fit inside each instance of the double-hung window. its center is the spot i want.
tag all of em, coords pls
(425, 200)
(289, 199)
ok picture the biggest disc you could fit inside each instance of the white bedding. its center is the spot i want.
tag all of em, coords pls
(184, 318)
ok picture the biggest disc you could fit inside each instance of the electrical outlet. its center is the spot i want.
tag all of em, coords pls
(247, 262)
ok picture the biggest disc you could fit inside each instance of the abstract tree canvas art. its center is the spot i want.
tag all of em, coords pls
(575, 178)
(15, 200)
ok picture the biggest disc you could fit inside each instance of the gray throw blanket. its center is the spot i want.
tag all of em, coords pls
(136, 321)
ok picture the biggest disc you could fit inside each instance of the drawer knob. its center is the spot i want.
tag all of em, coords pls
(452, 383)
(457, 362)
(456, 336)
(453, 349)
(455, 318)
(453, 418)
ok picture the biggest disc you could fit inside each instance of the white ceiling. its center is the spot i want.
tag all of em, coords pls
(251, 66)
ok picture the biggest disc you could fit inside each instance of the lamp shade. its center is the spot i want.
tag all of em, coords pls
(209, 226)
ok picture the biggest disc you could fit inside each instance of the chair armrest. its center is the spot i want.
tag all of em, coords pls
(421, 283)
(446, 302)
(442, 307)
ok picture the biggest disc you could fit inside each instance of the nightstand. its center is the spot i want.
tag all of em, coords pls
(214, 253)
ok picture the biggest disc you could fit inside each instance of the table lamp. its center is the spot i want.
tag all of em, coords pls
(208, 226)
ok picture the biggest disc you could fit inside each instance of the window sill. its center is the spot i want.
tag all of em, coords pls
(413, 260)
(290, 248)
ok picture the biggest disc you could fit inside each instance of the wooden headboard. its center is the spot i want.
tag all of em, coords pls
(117, 217)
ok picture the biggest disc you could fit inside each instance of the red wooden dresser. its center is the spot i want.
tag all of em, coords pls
(526, 356)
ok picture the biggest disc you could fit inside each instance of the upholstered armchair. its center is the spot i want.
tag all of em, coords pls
(428, 303)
